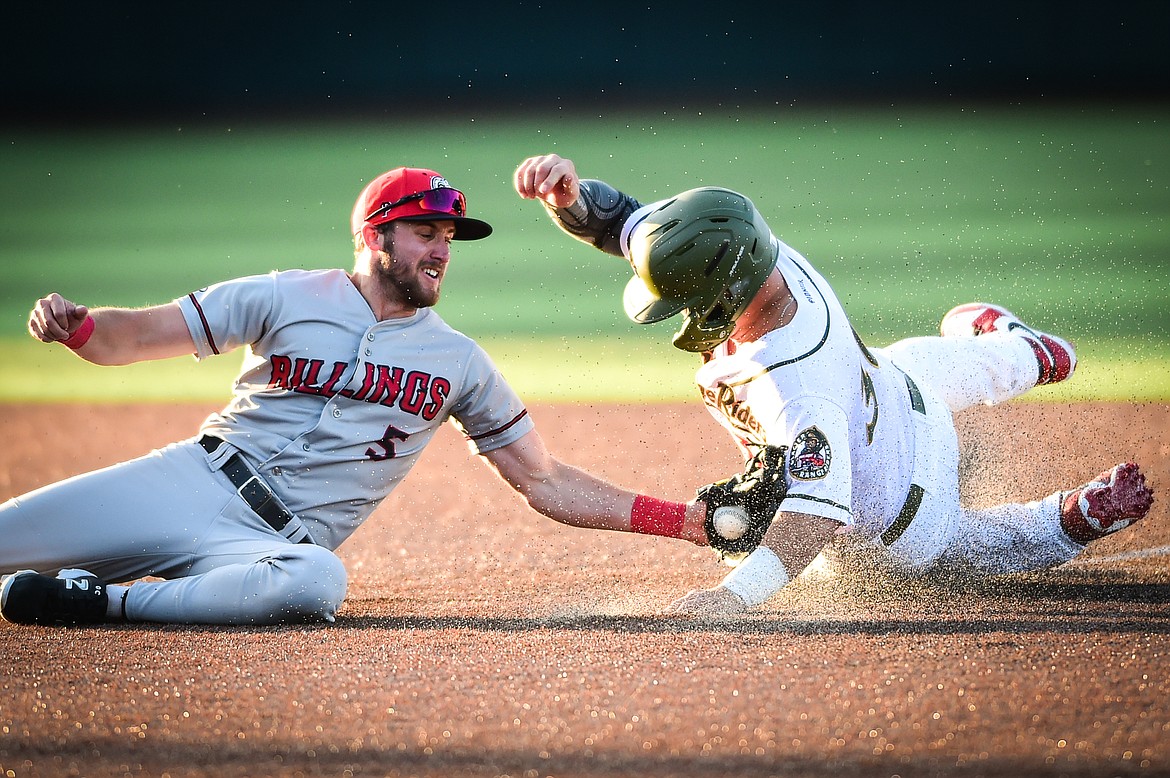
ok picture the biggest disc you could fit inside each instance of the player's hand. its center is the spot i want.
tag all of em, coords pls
(54, 318)
(708, 602)
(548, 177)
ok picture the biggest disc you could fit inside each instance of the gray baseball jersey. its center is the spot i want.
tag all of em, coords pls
(333, 407)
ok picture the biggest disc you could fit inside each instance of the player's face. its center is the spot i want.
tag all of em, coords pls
(414, 261)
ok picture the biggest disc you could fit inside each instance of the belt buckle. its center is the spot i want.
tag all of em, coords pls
(259, 486)
(261, 499)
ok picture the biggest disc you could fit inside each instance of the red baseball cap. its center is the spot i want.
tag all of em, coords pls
(415, 194)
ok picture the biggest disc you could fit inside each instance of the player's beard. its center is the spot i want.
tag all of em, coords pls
(405, 284)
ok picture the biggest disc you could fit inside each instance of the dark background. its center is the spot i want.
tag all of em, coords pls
(111, 61)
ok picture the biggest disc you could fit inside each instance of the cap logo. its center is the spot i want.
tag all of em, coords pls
(415, 194)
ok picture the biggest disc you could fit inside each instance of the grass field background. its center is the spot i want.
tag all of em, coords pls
(1059, 214)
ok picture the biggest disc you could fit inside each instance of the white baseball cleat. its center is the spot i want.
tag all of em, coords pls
(1113, 500)
(1054, 356)
(73, 597)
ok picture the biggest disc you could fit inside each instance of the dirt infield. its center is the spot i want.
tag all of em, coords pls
(480, 639)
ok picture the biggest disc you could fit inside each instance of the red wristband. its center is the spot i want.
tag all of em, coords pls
(651, 516)
(81, 336)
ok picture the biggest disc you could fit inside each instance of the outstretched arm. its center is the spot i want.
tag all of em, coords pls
(790, 545)
(572, 496)
(111, 336)
(590, 210)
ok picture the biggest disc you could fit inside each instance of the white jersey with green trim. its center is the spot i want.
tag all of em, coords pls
(333, 407)
(843, 410)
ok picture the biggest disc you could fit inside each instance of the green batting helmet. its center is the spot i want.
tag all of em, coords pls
(706, 252)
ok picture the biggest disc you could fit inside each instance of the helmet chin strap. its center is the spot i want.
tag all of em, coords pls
(773, 307)
(696, 338)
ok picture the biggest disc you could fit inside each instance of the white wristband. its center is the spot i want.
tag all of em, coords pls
(757, 577)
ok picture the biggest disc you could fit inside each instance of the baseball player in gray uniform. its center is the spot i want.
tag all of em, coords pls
(871, 447)
(346, 378)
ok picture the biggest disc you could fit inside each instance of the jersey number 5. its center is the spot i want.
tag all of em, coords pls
(391, 434)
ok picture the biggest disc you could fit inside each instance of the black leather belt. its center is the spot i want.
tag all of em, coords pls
(252, 488)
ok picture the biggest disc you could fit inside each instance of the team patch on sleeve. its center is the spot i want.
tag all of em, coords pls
(810, 455)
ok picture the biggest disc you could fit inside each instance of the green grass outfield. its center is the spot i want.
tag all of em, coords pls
(1060, 214)
(542, 370)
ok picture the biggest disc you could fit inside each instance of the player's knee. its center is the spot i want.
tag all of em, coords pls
(316, 584)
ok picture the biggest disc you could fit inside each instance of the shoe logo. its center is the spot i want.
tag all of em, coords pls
(82, 584)
(1107, 525)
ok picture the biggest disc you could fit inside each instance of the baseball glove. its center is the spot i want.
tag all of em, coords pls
(758, 490)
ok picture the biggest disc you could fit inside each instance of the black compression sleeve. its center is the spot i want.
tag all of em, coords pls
(597, 216)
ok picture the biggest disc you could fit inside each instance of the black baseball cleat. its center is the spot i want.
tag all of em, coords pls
(73, 597)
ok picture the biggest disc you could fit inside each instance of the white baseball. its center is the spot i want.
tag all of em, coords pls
(731, 521)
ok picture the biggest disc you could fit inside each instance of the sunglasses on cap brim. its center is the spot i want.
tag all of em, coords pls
(442, 200)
